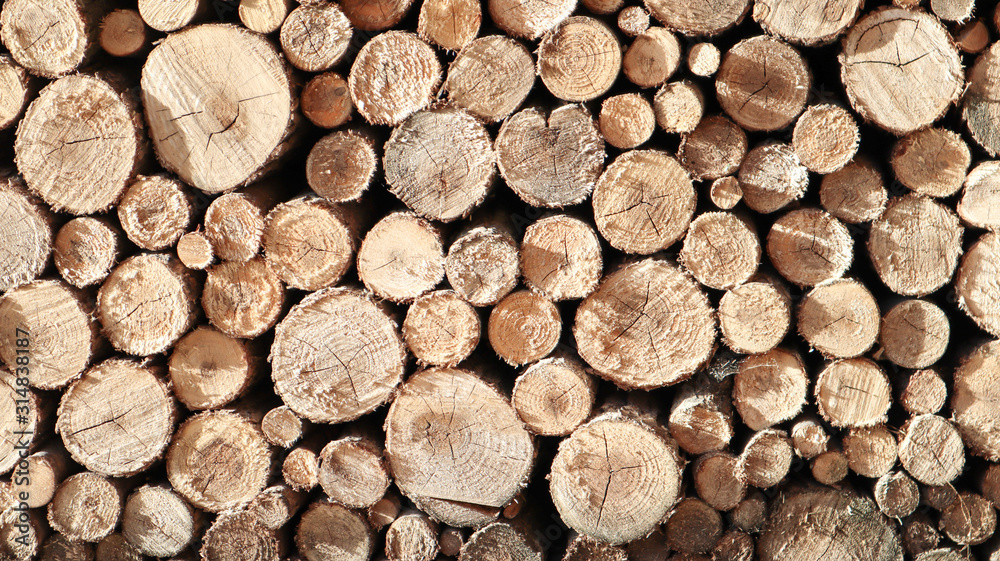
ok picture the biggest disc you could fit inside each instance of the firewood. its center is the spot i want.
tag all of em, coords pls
(483, 264)
(765, 459)
(750, 514)
(383, 100)
(770, 388)
(309, 242)
(449, 24)
(155, 211)
(853, 392)
(734, 545)
(194, 251)
(433, 466)
(980, 195)
(455, 513)
(572, 77)
(919, 534)
(701, 416)
(441, 329)
(585, 548)
(401, 257)
(809, 438)
(108, 160)
(972, 399)
(830, 467)
(932, 161)
(490, 77)
(897, 494)
(524, 327)
(809, 246)
(58, 547)
(60, 320)
(915, 334)
(893, 82)
(582, 482)
(931, 450)
(15, 396)
(871, 451)
(16, 85)
(698, 17)
(239, 535)
(315, 36)
(620, 327)
(218, 460)
(973, 37)
(953, 10)
(925, 392)
(572, 275)
(716, 480)
(40, 478)
(806, 23)
(652, 58)
(703, 59)
(113, 547)
(327, 527)
(411, 537)
(123, 34)
(714, 149)
(282, 427)
(626, 120)
(693, 527)
(300, 468)
(263, 16)
(763, 83)
(103, 497)
(341, 165)
(942, 554)
(679, 106)
(979, 108)
(352, 470)
(825, 138)
(792, 534)
(384, 511)
(23, 539)
(529, 141)
(554, 396)
(497, 542)
(51, 39)
(989, 483)
(84, 251)
(440, 163)
(323, 383)
(158, 522)
(276, 505)
(755, 316)
(649, 548)
(854, 193)
(451, 541)
(725, 192)
(974, 286)
(721, 250)
(839, 318)
(234, 222)
(633, 20)
(325, 100)
(938, 497)
(970, 520)
(771, 177)
(377, 16)
(167, 16)
(209, 369)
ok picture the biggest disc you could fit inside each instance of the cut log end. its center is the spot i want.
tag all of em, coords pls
(772, 177)
(561, 257)
(326, 101)
(853, 393)
(209, 369)
(626, 120)
(384, 101)
(755, 316)
(714, 149)
(401, 258)
(341, 165)
(308, 242)
(554, 396)
(353, 472)
(91, 524)
(931, 161)
(316, 36)
(770, 388)
(809, 246)
(854, 193)
(652, 58)
(491, 77)
(195, 251)
(721, 250)
(840, 318)
(571, 77)
(123, 33)
(483, 265)
(747, 83)
(825, 138)
(50, 40)
(449, 24)
(155, 211)
(441, 329)
(524, 327)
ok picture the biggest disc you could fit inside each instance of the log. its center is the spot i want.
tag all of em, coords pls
(703, 59)
(415, 74)
(63, 334)
(765, 459)
(103, 498)
(643, 202)
(114, 548)
(329, 527)
(499, 541)
(459, 514)
(123, 34)
(117, 419)
(809, 438)
(314, 37)
(980, 195)
(897, 494)
(38, 476)
(108, 149)
(440, 163)
(209, 369)
(806, 23)
(401, 258)
(953, 10)
(679, 106)
(483, 264)
(809, 246)
(276, 505)
(218, 460)
(979, 108)
(970, 520)
(53, 39)
(931, 161)
(300, 468)
(341, 165)
(854, 193)
(155, 211)
(915, 334)
(919, 534)
(853, 392)
(353, 472)
(798, 526)
(973, 37)
(451, 541)
(58, 547)
(829, 468)
(234, 222)
(925, 392)
(15, 423)
(839, 318)
(554, 396)
(572, 77)
(23, 537)
(620, 327)
(326, 101)
(529, 20)
(693, 527)
(449, 24)
(973, 390)
(716, 481)
(763, 83)
(755, 316)
(652, 58)
(84, 251)
(441, 329)
(698, 17)
(633, 20)
(220, 146)
(701, 416)
(721, 250)
(490, 77)
(147, 303)
(771, 177)
(167, 16)
(411, 537)
(195, 251)
(551, 268)
(316, 375)
(750, 514)
(931, 450)
(989, 483)
(939, 497)
(239, 535)
(158, 522)
(282, 427)
(901, 85)
(714, 149)
(529, 142)
(871, 451)
(825, 138)
(524, 327)
(770, 388)
(309, 242)
(974, 285)
(627, 120)
(592, 500)
(263, 16)
(428, 463)
(734, 545)
(585, 548)
(17, 87)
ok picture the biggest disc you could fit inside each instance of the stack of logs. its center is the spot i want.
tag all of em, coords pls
(338, 281)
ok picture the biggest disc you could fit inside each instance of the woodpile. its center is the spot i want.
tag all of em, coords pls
(510, 280)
